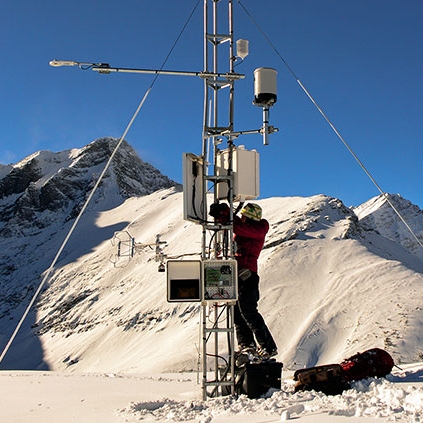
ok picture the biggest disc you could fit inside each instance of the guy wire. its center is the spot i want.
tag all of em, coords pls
(338, 134)
(49, 270)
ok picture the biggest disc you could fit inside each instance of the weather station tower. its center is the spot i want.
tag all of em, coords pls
(222, 172)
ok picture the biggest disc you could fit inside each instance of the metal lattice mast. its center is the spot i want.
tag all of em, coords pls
(217, 126)
(218, 119)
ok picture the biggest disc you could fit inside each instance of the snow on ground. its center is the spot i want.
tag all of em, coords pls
(35, 397)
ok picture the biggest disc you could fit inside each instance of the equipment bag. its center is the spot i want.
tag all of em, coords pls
(327, 379)
(255, 379)
(371, 363)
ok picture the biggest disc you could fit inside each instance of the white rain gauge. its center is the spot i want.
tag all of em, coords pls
(230, 174)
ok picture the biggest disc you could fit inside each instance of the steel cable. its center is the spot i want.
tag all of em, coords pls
(74, 225)
(335, 130)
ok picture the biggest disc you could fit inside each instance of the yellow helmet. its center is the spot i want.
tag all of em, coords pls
(252, 211)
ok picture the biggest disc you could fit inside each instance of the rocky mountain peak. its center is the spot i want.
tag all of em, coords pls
(51, 187)
(377, 214)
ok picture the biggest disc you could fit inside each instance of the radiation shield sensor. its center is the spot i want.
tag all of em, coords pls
(265, 87)
(220, 279)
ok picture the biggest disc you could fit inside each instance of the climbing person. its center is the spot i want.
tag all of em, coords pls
(250, 230)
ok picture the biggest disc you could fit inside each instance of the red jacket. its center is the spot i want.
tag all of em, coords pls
(249, 237)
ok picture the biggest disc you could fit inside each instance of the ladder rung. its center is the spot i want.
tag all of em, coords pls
(223, 383)
(219, 329)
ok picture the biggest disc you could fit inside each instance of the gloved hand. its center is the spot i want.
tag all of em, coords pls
(220, 211)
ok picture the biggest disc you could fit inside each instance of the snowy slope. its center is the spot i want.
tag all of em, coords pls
(331, 283)
(329, 289)
(39, 198)
(334, 281)
(343, 289)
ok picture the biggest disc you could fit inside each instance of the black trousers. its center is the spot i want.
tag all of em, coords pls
(249, 323)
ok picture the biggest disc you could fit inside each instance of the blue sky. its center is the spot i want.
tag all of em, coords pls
(361, 60)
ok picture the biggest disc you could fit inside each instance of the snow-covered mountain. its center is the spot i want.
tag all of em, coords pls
(377, 214)
(41, 195)
(47, 187)
(334, 280)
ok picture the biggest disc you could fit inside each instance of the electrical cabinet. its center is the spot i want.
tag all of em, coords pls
(220, 279)
(202, 280)
(184, 280)
(245, 173)
(193, 188)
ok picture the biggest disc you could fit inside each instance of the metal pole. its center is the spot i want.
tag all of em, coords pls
(204, 386)
(216, 85)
